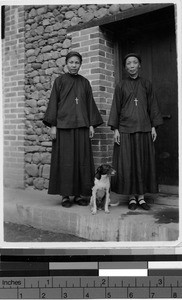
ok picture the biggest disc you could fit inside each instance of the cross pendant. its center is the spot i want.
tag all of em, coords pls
(76, 99)
(135, 100)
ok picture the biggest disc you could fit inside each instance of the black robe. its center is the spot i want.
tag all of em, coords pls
(134, 158)
(72, 110)
(64, 111)
(129, 116)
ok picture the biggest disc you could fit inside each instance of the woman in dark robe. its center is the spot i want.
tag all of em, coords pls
(72, 116)
(134, 117)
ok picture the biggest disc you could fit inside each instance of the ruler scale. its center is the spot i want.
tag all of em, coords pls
(90, 288)
(91, 277)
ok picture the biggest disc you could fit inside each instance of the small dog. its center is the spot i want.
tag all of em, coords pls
(100, 198)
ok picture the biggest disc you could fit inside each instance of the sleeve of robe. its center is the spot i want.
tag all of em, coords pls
(50, 118)
(115, 108)
(94, 116)
(153, 107)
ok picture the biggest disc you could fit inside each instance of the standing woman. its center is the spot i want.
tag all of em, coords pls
(72, 116)
(134, 117)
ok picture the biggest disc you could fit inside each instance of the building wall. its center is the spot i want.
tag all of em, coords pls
(39, 34)
(13, 71)
(96, 48)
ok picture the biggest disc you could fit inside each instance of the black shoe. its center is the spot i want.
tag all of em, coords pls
(66, 202)
(143, 204)
(132, 204)
(80, 201)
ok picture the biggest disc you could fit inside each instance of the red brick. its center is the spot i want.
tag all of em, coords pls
(75, 34)
(77, 45)
(81, 38)
(89, 66)
(10, 137)
(89, 42)
(11, 73)
(90, 30)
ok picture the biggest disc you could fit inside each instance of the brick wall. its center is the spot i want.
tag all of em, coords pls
(13, 96)
(97, 51)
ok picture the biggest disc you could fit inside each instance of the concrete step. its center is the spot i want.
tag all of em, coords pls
(43, 211)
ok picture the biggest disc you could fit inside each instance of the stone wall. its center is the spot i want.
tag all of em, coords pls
(47, 42)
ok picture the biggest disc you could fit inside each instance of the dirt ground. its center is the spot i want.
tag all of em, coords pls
(21, 233)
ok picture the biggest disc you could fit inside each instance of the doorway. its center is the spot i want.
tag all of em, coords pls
(152, 35)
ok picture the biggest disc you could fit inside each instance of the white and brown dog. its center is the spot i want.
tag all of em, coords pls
(100, 198)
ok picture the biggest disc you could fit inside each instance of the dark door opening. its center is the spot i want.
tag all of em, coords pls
(153, 36)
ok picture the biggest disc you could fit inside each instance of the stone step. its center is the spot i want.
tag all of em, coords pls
(39, 210)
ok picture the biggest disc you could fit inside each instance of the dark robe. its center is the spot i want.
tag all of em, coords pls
(72, 110)
(134, 158)
(64, 111)
(129, 117)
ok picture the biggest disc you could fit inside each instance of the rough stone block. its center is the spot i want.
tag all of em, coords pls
(67, 43)
(47, 56)
(40, 58)
(46, 158)
(69, 15)
(39, 183)
(36, 65)
(46, 49)
(114, 8)
(28, 157)
(41, 102)
(42, 10)
(46, 144)
(81, 12)
(34, 73)
(40, 30)
(31, 169)
(75, 21)
(88, 17)
(46, 171)
(29, 181)
(46, 22)
(48, 29)
(32, 137)
(59, 18)
(36, 79)
(35, 95)
(30, 52)
(102, 12)
(31, 103)
(125, 6)
(36, 157)
(60, 61)
(66, 23)
(57, 26)
(32, 148)
(46, 183)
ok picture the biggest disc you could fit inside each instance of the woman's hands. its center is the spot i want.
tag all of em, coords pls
(53, 132)
(117, 136)
(154, 134)
(91, 132)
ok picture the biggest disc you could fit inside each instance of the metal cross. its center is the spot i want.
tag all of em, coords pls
(136, 100)
(76, 99)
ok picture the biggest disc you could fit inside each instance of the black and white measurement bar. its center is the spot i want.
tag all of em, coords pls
(107, 269)
(90, 276)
